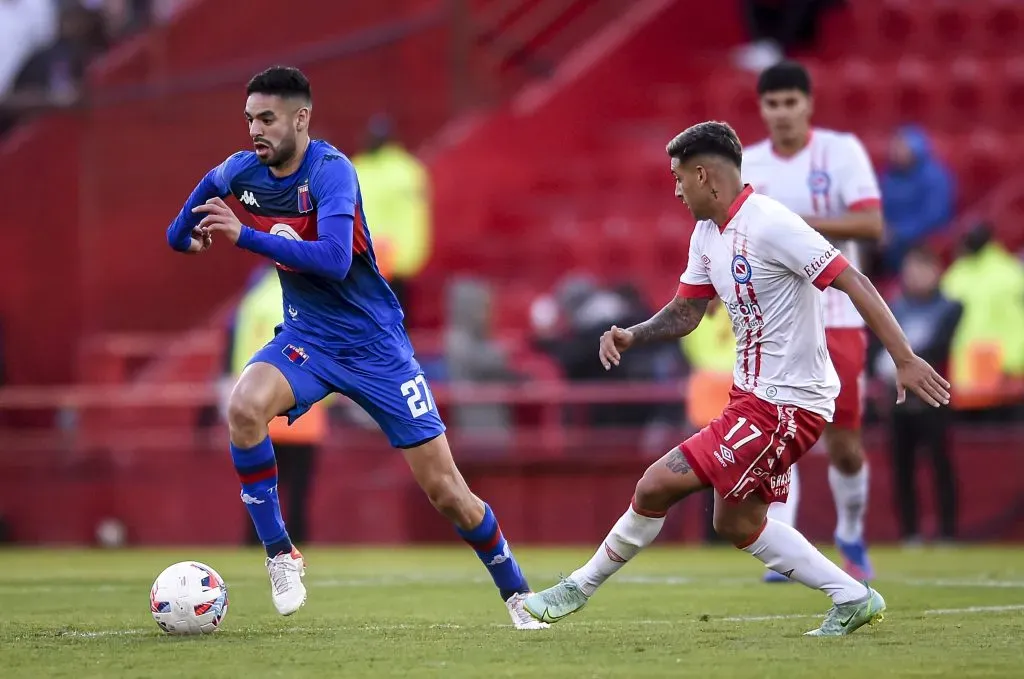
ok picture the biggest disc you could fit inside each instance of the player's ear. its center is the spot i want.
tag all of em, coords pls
(302, 119)
(702, 175)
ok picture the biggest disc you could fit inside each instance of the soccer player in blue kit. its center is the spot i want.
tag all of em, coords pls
(342, 329)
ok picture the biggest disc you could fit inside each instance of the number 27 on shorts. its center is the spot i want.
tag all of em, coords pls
(417, 396)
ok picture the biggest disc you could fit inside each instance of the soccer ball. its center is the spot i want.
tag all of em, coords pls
(189, 598)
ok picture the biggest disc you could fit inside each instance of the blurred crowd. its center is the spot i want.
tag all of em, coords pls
(919, 263)
(46, 45)
(956, 289)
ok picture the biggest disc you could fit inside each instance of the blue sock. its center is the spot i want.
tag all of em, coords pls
(257, 470)
(489, 544)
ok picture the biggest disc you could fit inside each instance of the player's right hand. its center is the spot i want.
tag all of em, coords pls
(916, 375)
(202, 240)
(613, 343)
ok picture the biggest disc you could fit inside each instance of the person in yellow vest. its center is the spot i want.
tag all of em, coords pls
(987, 347)
(711, 352)
(260, 311)
(395, 187)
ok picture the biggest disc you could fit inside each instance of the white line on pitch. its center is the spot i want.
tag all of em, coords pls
(974, 609)
(102, 633)
(581, 623)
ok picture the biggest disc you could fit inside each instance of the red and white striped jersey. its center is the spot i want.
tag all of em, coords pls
(768, 267)
(829, 177)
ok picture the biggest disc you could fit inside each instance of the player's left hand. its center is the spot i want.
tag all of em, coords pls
(219, 219)
(201, 241)
(915, 374)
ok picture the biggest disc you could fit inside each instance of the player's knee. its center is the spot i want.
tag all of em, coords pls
(652, 493)
(734, 529)
(247, 420)
(846, 452)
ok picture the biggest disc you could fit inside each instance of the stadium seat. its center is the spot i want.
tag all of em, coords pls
(1008, 226)
(512, 309)
(918, 96)
(880, 28)
(955, 27)
(863, 96)
(1009, 81)
(877, 145)
(985, 161)
(734, 98)
(1002, 25)
(970, 97)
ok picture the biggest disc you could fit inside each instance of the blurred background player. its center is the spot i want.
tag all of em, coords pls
(342, 329)
(766, 265)
(930, 320)
(825, 177)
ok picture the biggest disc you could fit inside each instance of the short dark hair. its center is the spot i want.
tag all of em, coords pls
(708, 138)
(282, 81)
(785, 75)
(923, 253)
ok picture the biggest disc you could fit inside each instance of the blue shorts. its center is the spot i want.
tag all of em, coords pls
(383, 377)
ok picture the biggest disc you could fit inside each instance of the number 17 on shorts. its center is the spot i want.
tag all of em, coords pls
(751, 446)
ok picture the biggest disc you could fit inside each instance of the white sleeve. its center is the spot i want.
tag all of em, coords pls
(695, 283)
(858, 185)
(804, 251)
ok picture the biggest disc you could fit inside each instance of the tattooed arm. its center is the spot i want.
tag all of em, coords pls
(679, 318)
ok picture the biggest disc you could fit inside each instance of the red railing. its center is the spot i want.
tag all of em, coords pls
(556, 424)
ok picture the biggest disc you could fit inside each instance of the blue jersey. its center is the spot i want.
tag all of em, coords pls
(335, 296)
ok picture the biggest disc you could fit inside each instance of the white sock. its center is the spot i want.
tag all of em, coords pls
(851, 496)
(630, 534)
(783, 549)
(786, 511)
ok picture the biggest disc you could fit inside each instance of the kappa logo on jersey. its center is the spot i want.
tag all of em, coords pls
(741, 272)
(248, 199)
(725, 456)
(305, 200)
(819, 182)
(296, 355)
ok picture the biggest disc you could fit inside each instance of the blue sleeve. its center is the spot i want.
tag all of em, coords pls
(334, 187)
(329, 256)
(216, 184)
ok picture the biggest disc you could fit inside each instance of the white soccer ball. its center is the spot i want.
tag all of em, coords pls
(189, 598)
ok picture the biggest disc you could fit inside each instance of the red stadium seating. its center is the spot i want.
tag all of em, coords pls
(535, 192)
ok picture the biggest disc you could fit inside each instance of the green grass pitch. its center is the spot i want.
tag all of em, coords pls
(673, 612)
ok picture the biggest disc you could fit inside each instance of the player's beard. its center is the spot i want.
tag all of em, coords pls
(280, 154)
